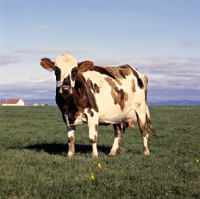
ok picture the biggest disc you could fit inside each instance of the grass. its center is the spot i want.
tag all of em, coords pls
(34, 163)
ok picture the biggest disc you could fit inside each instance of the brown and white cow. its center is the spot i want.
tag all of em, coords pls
(100, 95)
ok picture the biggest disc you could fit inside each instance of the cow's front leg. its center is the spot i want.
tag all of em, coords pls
(71, 141)
(119, 130)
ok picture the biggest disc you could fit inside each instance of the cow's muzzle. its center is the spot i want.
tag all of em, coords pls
(65, 89)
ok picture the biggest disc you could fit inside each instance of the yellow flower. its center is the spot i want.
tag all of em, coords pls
(197, 160)
(92, 176)
(99, 165)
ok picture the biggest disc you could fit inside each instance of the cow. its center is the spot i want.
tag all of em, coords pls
(100, 95)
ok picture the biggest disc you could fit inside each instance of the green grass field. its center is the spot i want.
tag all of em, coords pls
(34, 163)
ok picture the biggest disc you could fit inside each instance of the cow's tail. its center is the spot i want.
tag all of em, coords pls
(149, 123)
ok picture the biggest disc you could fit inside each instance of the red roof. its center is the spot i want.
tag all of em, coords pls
(10, 101)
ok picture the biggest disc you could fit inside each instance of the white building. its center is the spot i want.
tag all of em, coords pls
(12, 102)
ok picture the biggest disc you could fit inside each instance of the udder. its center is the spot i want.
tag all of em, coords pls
(130, 119)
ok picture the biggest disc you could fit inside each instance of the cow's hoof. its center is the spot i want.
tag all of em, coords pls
(112, 153)
(70, 154)
(146, 153)
(95, 155)
(122, 150)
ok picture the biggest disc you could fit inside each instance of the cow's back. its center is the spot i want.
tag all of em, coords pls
(117, 91)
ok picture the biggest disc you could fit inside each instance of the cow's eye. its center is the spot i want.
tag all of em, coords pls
(57, 73)
(74, 72)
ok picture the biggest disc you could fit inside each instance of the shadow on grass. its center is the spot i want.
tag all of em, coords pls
(55, 148)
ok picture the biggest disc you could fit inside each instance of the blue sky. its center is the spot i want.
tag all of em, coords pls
(161, 38)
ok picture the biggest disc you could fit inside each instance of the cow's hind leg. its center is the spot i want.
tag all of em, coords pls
(71, 141)
(119, 130)
(143, 126)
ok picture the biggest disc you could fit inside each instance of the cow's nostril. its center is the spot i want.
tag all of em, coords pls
(66, 88)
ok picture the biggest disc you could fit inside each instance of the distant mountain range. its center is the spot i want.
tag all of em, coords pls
(177, 103)
(51, 102)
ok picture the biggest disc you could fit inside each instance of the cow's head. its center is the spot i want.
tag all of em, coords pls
(65, 68)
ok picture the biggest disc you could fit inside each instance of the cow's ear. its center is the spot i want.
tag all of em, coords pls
(47, 64)
(85, 66)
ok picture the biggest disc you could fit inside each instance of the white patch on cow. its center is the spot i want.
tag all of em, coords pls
(66, 62)
(71, 133)
(109, 112)
(100, 84)
(146, 151)
(58, 83)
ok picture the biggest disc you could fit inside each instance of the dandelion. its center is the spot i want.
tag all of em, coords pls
(99, 165)
(92, 176)
(197, 160)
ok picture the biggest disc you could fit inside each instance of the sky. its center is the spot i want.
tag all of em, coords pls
(161, 38)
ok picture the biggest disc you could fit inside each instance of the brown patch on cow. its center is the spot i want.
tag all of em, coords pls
(96, 88)
(137, 105)
(84, 116)
(71, 139)
(72, 117)
(74, 73)
(119, 130)
(143, 127)
(145, 82)
(145, 96)
(116, 73)
(67, 81)
(65, 107)
(145, 149)
(145, 87)
(76, 102)
(57, 73)
(71, 108)
(85, 66)
(133, 85)
(86, 91)
(93, 141)
(90, 112)
(139, 81)
(47, 64)
(150, 126)
(90, 84)
(119, 96)
(96, 126)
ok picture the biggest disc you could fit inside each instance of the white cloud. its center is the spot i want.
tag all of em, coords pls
(194, 59)
(6, 59)
(28, 90)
